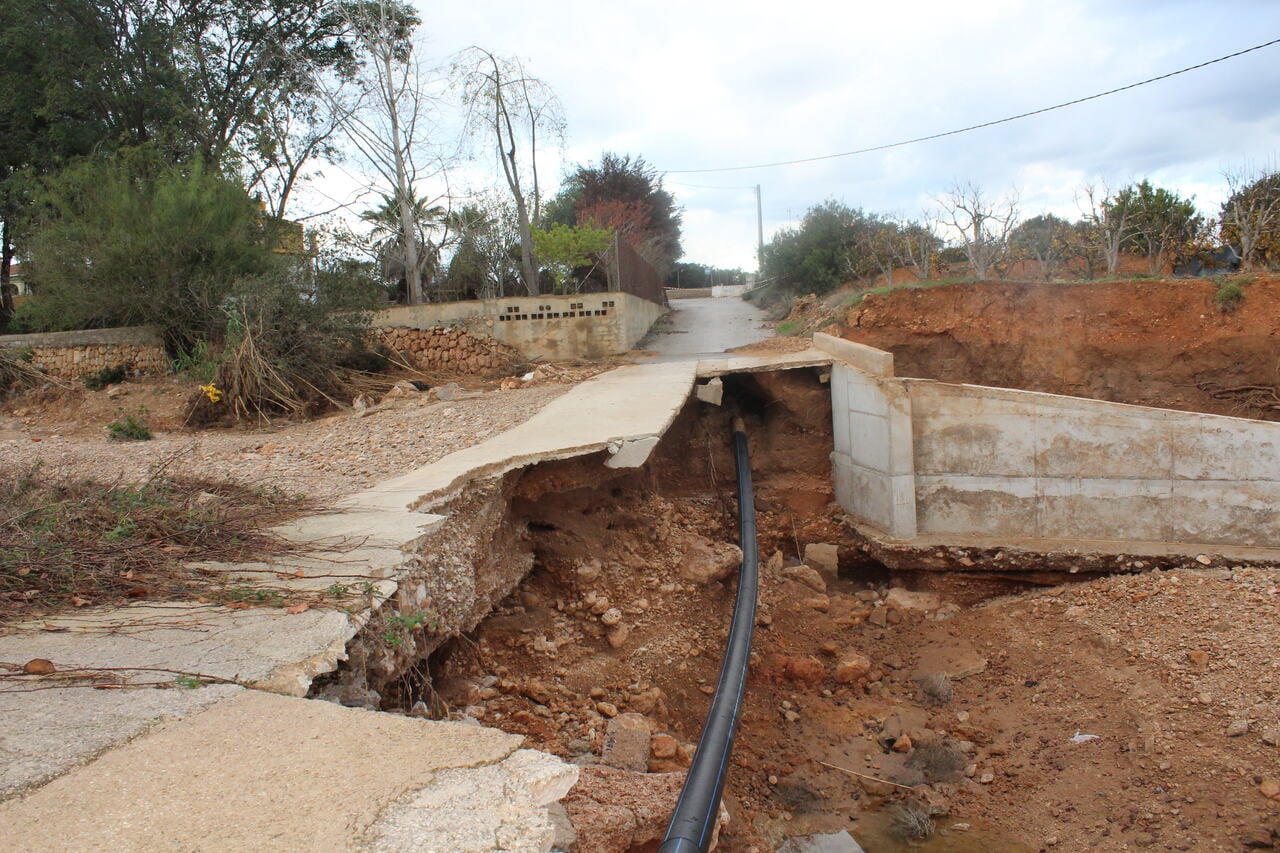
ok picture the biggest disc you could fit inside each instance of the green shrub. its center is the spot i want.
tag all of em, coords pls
(130, 427)
(1229, 295)
(790, 328)
(197, 363)
(100, 379)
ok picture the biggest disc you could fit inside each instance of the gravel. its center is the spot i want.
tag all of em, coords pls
(326, 458)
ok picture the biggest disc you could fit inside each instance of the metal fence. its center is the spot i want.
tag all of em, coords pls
(630, 273)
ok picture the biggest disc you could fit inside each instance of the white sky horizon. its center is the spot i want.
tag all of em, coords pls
(726, 84)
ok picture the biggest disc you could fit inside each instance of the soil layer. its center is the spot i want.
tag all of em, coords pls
(1164, 343)
(1109, 713)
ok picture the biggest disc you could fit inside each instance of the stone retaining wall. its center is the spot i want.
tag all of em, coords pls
(449, 348)
(73, 355)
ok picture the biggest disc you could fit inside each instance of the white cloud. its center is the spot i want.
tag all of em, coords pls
(718, 84)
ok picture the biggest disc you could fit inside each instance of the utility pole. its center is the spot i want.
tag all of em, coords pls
(759, 233)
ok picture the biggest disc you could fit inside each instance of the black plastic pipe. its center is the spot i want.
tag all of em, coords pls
(694, 820)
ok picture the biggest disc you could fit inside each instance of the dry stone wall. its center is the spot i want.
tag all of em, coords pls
(449, 349)
(73, 355)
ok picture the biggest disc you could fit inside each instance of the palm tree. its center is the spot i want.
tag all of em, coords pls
(388, 241)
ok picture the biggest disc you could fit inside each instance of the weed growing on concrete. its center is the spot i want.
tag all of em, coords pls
(188, 682)
(130, 426)
(910, 821)
(254, 595)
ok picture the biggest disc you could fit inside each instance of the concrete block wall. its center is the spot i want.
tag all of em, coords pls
(871, 462)
(914, 457)
(74, 355)
(588, 325)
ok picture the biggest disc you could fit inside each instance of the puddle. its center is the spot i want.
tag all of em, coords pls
(952, 835)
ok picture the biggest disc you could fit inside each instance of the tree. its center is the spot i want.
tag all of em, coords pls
(510, 109)
(564, 248)
(1044, 239)
(388, 123)
(1164, 222)
(982, 224)
(1250, 217)
(131, 240)
(388, 236)
(625, 194)
(215, 80)
(918, 246)
(816, 255)
(1112, 221)
(879, 246)
(486, 262)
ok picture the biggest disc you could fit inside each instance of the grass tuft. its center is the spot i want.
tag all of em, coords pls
(130, 427)
(938, 761)
(911, 822)
(1229, 295)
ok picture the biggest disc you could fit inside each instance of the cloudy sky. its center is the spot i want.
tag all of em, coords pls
(707, 85)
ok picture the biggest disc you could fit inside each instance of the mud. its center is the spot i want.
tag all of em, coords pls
(1163, 343)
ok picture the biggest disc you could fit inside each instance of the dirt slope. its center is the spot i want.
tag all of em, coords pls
(1148, 342)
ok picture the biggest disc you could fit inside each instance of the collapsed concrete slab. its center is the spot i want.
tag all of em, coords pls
(266, 772)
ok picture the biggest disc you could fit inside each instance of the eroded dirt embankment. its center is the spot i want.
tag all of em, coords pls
(1147, 342)
(611, 592)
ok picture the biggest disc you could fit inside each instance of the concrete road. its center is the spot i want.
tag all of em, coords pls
(703, 326)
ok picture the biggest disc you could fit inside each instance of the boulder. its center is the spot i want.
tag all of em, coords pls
(626, 742)
(706, 562)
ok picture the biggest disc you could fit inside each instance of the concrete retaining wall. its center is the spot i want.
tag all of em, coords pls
(917, 457)
(588, 325)
(72, 355)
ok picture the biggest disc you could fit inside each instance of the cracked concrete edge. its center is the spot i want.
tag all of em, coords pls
(505, 805)
(257, 771)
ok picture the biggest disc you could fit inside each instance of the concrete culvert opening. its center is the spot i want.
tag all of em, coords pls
(884, 693)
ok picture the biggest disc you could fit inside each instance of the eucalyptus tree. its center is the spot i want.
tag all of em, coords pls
(512, 113)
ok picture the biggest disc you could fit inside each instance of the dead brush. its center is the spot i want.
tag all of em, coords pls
(18, 371)
(910, 821)
(936, 687)
(276, 367)
(938, 760)
(74, 541)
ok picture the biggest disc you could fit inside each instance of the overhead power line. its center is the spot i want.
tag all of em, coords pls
(973, 127)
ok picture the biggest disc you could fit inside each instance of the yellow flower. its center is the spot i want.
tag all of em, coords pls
(212, 392)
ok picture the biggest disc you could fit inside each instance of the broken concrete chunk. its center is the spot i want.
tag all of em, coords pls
(631, 454)
(921, 602)
(836, 842)
(710, 392)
